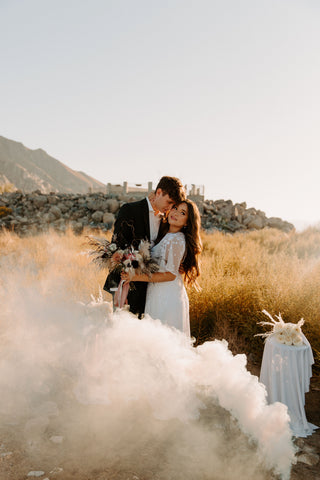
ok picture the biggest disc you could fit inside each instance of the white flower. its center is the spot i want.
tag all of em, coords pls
(280, 337)
(278, 327)
(285, 333)
(138, 257)
(297, 341)
(288, 339)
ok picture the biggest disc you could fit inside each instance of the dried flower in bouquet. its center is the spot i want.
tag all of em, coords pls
(102, 251)
(133, 261)
(284, 332)
(107, 255)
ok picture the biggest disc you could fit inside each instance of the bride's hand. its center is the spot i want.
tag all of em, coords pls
(127, 277)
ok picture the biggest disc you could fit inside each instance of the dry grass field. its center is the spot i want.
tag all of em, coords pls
(242, 274)
(246, 273)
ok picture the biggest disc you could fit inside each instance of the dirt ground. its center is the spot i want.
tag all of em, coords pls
(16, 462)
(310, 444)
(312, 407)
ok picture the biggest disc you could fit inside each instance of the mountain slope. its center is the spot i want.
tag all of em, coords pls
(32, 170)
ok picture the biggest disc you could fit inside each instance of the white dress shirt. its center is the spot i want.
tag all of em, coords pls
(154, 222)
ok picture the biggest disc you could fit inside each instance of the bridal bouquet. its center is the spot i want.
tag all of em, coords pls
(286, 333)
(133, 261)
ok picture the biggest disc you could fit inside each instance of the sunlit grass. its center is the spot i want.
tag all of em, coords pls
(52, 255)
(7, 188)
(246, 273)
(242, 274)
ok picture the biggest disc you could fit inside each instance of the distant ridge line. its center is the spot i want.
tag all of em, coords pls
(30, 170)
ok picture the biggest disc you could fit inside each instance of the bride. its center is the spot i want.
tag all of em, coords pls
(178, 250)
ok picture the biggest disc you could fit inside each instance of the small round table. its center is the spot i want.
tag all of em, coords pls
(286, 372)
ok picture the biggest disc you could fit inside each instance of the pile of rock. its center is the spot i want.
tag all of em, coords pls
(32, 213)
(35, 212)
(224, 215)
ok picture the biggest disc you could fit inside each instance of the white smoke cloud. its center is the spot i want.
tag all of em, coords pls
(102, 392)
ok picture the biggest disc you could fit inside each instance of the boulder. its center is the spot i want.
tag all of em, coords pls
(40, 200)
(108, 220)
(275, 222)
(207, 208)
(97, 216)
(239, 209)
(247, 219)
(55, 211)
(219, 203)
(52, 199)
(234, 226)
(22, 219)
(63, 207)
(97, 204)
(261, 214)
(255, 222)
(112, 205)
(226, 211)
(81, 212)
(250, 211)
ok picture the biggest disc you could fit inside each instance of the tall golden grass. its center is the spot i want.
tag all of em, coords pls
(242, 274)
(7, 188)
(53, 256)
(246, 273)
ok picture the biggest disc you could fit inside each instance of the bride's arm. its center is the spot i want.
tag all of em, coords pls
(154, 277)
(172, 256)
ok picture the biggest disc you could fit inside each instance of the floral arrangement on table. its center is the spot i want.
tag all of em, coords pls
(107, 254)
(286, 333)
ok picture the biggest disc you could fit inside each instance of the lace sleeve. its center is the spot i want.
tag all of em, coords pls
(174, 254)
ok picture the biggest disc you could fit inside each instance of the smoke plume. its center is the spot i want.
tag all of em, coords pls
(97, 393)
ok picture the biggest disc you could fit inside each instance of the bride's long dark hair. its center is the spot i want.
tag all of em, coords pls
(191, 259)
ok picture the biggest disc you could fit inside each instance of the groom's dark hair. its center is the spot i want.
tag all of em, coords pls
(173, 187)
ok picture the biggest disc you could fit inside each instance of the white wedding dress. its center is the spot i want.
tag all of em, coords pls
(168, 301)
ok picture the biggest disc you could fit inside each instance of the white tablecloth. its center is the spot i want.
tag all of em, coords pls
(286, 372)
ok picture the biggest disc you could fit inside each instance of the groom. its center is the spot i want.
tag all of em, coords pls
(142, 220)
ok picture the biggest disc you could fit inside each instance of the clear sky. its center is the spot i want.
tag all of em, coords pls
(221, 93)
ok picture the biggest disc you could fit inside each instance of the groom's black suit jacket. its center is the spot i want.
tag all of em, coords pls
(131, 226)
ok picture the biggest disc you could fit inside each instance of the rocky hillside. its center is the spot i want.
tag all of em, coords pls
(46, 193)
(29, 214)
(31, 170)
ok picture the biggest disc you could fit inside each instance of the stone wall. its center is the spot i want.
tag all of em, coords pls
(33, 213)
